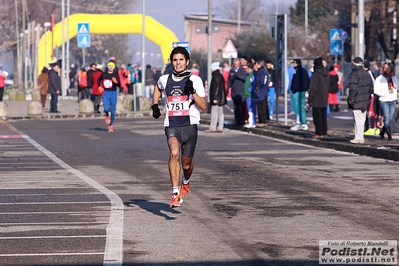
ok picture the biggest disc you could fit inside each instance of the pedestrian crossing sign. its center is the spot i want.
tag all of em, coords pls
(83, 28)
(83, 36)
(182, 44)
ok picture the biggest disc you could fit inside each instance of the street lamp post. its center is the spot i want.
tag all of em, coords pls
(209, 73)
(20, 62)
(67, 47)
(25, 60)
(239, 16)
(306, 19)
(36, 58)
(135, 88)
(63, 81)
(18, 44)
(143, 48)
(361, 28)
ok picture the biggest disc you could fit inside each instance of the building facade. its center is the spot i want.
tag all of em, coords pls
(223, 30)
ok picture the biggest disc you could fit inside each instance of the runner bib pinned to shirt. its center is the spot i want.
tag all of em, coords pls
(178, 105)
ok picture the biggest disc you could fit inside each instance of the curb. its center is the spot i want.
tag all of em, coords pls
(332, 142)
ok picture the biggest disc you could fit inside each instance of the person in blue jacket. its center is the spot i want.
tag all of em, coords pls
(260, 92)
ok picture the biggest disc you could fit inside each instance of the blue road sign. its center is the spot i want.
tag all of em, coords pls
(182, 44)
(83, 40)
(83, 36)
(336, 47)
(83, 28)
(338, 35)
(335, 35)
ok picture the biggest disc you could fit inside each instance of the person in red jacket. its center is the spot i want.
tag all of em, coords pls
(333, 90)
(97, 91)
(123, 76)
(3, 78)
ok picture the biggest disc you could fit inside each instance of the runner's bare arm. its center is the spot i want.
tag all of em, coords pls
(200, 101)
(156, 94)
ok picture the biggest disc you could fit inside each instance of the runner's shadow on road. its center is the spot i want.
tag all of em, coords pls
(99, 129)
(157, 208)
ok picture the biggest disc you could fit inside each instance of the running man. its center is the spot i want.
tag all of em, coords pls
(185, 97)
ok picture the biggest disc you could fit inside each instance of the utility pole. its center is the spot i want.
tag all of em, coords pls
(361, 28)
(24, 43)
(143, 49)
(36, 57)
(239, 16)
(18, 46)
(209, 73)
(306, 19)
(276, 7)
(67, 45)
(63, 89)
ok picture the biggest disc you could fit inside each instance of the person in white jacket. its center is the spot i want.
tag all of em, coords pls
(386, 87)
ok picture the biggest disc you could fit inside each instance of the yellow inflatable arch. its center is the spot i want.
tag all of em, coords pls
(108, 24)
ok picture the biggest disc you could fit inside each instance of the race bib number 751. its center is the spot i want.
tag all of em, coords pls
(178, 105)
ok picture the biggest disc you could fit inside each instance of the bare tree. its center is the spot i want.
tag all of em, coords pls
(381, 29)
(250, 10)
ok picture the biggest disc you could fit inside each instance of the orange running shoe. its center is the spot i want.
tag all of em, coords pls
(184, 189)
(110, 129)
(175, 201)
(107, 120)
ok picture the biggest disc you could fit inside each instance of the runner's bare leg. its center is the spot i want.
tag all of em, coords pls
(174, 164)
(187, 166)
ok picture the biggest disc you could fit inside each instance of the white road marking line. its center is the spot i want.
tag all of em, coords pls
(113, 254)
(51, 237)
(49, 194)
(64, 223)
(35, 188)
(29, 213)
(52, 203)
(52, 254)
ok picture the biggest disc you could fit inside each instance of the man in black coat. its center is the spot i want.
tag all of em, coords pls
(318, 95)
(54, 86)
(217, 97)
(236, 82)
(90, 82)
(360, 87)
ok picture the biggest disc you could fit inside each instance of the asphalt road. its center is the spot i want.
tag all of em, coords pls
(73, 194)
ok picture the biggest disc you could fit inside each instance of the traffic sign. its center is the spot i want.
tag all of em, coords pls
(83, 28)
(338, 35)
(83, 40)
(182, 44)
(229, 50)
(83, 37)
(336, 47)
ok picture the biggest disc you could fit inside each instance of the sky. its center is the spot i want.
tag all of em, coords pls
(171, 14)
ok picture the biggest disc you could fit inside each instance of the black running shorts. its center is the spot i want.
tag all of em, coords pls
(187, 137)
